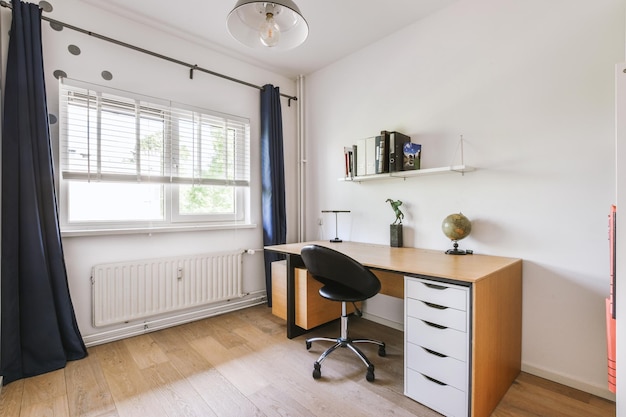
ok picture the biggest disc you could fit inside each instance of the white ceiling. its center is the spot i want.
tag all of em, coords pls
(336, 27)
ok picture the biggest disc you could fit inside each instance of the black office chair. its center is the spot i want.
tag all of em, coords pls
(344, 280)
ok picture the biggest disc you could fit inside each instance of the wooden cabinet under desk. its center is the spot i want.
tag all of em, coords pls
(311, 309)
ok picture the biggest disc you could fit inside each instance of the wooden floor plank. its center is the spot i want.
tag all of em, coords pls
(132, 395)
(45, 395)
(175, 393)
(228, 362)
(241, 364)
(223, 398)
(531, 396)
(11, 398)
(145, 351)
(276, 403)
(87, 391)
(54, 407)
(44, 388)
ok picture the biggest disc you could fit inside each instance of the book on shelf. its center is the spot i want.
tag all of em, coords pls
(349, 154)
(370, 155)
(412, 154)
(360, 157)
(396, 146)
(365, 153)
(382, 152)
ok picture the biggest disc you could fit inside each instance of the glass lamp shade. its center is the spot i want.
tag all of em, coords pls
(261, 24)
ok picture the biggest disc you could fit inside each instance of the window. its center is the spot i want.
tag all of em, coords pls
(132, 161)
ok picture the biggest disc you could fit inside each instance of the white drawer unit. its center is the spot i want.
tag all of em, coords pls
(437, 345)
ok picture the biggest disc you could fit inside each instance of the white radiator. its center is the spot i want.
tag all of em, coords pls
(126, 291)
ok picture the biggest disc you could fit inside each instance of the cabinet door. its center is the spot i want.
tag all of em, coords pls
(442, 398)
(438, 293)
(445, 369)
(437, 314)
(443, 340)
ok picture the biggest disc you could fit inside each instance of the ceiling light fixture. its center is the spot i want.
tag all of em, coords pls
(262, 24)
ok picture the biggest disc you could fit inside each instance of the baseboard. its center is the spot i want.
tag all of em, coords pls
(158, 323)
(599, 391)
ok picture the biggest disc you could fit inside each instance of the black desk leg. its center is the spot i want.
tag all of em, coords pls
(293, 261)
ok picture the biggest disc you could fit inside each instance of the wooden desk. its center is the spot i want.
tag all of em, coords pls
(495, 285)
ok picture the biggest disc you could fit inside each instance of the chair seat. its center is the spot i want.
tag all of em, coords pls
(341, 293)
(346, 280)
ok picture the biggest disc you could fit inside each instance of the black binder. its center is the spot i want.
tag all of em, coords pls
(382, 152)
(396, 143)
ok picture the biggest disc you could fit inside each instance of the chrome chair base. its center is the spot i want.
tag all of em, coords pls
(345, 341)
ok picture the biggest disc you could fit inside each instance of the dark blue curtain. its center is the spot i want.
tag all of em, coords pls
(272, 179)
(39, 332)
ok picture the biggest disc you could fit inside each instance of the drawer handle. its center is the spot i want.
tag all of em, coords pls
(432, 352)
(435, 286)
(434, 380)
(437, 306)
(435, 325)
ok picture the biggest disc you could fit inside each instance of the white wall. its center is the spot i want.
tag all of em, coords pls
(530, 86)
(147, 75)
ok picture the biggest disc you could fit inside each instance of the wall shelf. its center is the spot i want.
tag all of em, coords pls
(462, 169)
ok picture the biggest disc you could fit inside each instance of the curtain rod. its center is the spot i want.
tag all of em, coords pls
(191, 67)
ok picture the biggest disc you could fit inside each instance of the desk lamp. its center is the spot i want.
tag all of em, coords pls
(336, 239)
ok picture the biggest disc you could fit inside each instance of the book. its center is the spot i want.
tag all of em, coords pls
(349, 157)
(396, 144)
(370, 155)
(412, 153)
(382, 152)
(360, 157)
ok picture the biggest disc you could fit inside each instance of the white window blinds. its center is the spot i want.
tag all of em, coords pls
(108, 135)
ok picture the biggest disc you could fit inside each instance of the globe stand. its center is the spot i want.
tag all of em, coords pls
(456, 250)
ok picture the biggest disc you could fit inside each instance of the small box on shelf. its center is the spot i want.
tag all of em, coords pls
(412, 155)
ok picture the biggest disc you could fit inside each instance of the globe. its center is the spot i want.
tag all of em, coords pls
(456, 227)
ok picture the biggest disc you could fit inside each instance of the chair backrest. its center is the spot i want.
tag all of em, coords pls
(333, 268)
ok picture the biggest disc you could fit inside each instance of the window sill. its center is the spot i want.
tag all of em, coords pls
(154, 229)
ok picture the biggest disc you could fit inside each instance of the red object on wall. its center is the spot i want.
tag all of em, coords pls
(610, 304)
(610, 343)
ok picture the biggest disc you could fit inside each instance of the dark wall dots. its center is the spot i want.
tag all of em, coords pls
(74, 50)
(58, 74)
(45, 6)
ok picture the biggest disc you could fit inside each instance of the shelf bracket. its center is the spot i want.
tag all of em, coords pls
(459, 147)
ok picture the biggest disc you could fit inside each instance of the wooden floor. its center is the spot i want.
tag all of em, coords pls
(242, 364)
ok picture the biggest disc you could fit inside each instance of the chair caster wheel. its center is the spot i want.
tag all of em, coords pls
(370, 373)
(317, 372)
(308, 345)
(381, 351)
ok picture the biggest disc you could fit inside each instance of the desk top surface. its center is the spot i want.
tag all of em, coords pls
(469, 268)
